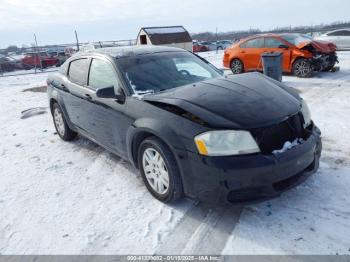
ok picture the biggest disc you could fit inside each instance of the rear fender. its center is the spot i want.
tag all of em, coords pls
(55, 96)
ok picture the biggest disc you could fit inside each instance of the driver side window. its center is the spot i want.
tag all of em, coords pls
(102, 74)
(272, 42)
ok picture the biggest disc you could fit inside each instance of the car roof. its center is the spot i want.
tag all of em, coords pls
(267, 35)
(127, 51)
(274, 35)
(341, 29)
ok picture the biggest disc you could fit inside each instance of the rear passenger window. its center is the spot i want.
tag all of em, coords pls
(78, 71)
(101, 74)
(254, 43)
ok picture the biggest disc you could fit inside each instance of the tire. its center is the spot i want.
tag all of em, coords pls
(60, 123)
(159, 170)
(302, 68)
(237, 66)
(220, 48)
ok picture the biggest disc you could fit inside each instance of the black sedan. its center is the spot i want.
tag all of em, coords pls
(189, 129)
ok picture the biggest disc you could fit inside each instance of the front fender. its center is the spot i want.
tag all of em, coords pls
(145, 127)
(301, 54)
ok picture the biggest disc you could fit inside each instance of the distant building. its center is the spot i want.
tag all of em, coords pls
(175, 36)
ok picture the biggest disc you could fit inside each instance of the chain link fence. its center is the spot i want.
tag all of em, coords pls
(40, 59)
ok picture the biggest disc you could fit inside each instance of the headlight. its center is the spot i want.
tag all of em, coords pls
(226, 143)
(306, 114)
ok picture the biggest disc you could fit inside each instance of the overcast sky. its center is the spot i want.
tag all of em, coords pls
(54, 21)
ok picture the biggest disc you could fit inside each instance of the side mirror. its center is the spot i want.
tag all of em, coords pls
(108, 92)
(105, 92)
(283, 46)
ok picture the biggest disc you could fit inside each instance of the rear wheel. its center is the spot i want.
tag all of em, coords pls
(61, 126)
(302, 68)
(237, 66)
(159, 170)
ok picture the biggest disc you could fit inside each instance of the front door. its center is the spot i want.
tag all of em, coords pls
(274, 45)
(106, 120)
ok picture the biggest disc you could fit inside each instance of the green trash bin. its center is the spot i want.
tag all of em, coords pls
(272, 64)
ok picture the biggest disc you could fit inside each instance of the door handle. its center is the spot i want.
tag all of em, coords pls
(88, 96)
(243, 52)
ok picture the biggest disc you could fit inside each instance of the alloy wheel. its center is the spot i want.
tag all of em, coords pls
(236, 66)
(302, 68)
(155, 170)
(59, 122)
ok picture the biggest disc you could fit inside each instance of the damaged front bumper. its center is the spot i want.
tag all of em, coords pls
(250, 178)
(324, 62)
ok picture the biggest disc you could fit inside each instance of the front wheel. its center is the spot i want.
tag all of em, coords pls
(61, 126)
(302, 68)
(159, 170)
(237, 66)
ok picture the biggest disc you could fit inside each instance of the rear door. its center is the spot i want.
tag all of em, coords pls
(274, 45)
(344, 39)
(251, 51)
(336, 38)
(77, 99)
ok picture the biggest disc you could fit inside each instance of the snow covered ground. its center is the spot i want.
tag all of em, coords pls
(77, 198)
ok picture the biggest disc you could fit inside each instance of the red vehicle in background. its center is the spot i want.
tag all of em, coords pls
(41, 59)
(198, 47)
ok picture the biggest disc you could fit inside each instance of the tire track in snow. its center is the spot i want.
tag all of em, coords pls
(203, 230)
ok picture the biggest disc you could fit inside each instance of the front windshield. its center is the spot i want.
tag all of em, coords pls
(296, 39)
(151, 73)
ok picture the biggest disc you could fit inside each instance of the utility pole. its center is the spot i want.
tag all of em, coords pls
(216, 34)
(76, 37)
(37, 54)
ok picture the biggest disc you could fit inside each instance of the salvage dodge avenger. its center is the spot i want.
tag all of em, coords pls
(189, 129)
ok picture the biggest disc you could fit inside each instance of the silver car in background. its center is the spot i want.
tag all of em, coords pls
(217, 45)
(340, 37)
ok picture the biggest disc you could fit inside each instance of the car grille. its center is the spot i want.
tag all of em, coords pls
(273, 137)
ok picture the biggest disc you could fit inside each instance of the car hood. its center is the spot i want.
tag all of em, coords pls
(319, 45)
(244, 101)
